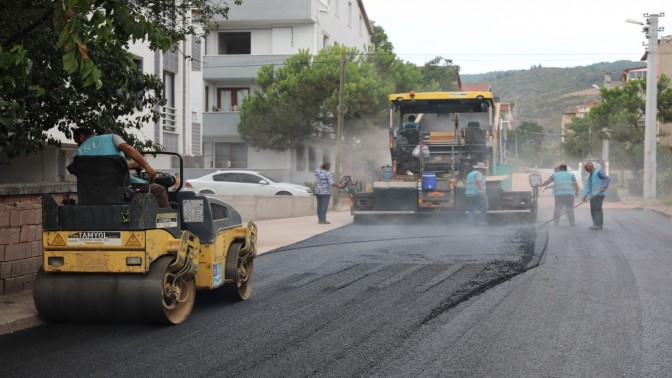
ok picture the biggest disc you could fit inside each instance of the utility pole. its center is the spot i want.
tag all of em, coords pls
(650, 125)
(339, 127)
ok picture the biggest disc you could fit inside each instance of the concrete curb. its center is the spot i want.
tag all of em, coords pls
(20, 324)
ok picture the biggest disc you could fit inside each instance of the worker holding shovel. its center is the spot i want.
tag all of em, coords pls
(565, 189)
(595, 188)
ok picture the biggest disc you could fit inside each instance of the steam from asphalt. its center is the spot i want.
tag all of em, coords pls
(366, 154)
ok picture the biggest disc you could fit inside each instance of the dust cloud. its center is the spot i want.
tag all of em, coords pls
(366, 154)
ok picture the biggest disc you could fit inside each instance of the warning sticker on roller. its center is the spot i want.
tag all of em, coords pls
(95, 237)
(133, 241)
(58, 241)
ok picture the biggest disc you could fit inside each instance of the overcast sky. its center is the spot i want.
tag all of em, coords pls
(490, 35)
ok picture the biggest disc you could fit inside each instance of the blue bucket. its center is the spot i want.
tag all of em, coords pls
(428, 181)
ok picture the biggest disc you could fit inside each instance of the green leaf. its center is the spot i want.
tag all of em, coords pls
(70, 62)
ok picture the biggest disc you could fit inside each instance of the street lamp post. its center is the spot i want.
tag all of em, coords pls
(650, 125)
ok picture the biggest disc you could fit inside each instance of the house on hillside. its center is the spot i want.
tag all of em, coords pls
(260, 33)
(579, 111)
(477, 87)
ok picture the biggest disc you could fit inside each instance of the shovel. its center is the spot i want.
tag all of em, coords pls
(565, 212)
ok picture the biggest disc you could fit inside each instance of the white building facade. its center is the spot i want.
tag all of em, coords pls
(259, 33)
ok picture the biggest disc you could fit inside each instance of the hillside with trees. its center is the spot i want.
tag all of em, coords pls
(542, 94)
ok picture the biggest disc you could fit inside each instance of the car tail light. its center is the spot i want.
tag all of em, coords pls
(187, 185)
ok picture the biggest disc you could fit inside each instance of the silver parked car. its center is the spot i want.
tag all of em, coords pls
(244, 182)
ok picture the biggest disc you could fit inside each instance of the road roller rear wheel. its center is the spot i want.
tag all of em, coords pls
(177, 295)
(240, 269)
(155, 297)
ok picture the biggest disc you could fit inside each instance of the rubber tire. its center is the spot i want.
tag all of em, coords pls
(240, 272)
(207, 192)
(180, 313)
(283, 194)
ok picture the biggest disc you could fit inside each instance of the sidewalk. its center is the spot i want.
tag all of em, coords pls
(17, 310)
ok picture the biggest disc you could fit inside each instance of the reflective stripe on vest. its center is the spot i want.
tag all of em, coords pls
(563, 184)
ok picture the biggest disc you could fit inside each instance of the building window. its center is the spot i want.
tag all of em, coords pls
(337, 7)
(168, 116)
(349, 13)
(326, 156)
(140, 96)
(206, 97)
(169, 88)
(230, 99)
(195, 54)
(300, 158)
(312, 159)
(225, 155)
(234, 43)
(325, 40)
(360, 25)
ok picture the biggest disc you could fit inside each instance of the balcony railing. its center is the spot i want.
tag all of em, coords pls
(237, 66)
(220, 124)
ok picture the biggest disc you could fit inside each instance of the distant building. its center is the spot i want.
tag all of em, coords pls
(507, 115)
(577, 112)
(477, 87)
(663, 129)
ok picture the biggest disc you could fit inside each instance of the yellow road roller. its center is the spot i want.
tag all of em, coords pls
(115, 256)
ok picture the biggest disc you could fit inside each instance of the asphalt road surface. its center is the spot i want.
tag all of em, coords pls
(422, 300)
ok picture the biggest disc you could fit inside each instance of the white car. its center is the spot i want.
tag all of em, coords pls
(244, 182)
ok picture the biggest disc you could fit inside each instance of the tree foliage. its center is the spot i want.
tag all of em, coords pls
(527, 140)
(400, 75)
(440, 74)
(76, 69)
(616, 119)
(299, 99)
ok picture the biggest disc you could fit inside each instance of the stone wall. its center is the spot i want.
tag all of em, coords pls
(21, 232)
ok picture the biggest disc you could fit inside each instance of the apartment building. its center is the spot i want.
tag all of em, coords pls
(259, 33)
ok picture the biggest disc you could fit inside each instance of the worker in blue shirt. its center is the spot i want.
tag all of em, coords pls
(565, 189)
(90, 144)
(595, 188)
(475, 191)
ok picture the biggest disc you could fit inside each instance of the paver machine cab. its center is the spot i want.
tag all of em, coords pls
(435, 139)
(116, 256)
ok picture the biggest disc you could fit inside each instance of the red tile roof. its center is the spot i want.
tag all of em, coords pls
(476, 87)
